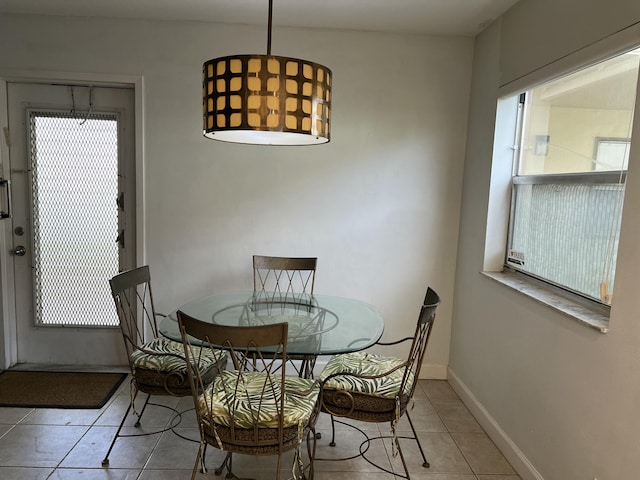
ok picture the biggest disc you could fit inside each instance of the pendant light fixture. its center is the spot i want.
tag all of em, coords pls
(266, 99)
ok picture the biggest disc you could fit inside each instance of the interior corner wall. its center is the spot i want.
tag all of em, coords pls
(378, 205)
(561, 397)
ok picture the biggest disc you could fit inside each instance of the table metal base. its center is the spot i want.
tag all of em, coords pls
(364, 448)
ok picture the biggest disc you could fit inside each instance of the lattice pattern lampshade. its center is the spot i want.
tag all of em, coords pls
(266, 100)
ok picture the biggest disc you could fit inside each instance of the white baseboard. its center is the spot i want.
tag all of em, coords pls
(509, 449)
(433, 372)
(321, 362)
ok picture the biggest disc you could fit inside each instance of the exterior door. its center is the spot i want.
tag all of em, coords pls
(71, 157)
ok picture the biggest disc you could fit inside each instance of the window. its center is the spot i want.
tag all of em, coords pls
(568, 184)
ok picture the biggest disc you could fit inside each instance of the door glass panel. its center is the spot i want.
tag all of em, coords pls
(74, 181)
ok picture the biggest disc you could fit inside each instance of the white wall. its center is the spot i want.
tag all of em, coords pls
(379, 205)
(559, 394)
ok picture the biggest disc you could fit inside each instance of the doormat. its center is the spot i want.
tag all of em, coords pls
(57, 389)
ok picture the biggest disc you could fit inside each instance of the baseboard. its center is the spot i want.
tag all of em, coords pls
(509, 449)
(433, 372)
(321, 362)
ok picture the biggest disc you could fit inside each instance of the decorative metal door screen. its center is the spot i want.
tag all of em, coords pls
(74, 186)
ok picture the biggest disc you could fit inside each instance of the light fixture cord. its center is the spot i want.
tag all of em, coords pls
(269, 28)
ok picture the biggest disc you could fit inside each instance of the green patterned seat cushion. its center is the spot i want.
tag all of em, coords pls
(246, 401)
(362, 363)
(169, 357)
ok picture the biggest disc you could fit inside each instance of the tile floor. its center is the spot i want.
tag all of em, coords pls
(39, 444)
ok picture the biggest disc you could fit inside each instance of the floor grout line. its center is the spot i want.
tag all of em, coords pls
(166, 441)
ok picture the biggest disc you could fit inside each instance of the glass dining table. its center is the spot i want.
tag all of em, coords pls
(318, 324)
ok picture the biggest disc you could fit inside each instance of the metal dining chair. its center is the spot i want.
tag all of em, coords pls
(284, 275)
(374, 388)
(245, 411)
(287, 279)
(157, 364)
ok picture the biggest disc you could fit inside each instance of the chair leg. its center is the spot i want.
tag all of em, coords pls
(105, 460)
(130, 408)
(146, 402)
(333, 432)
(404, 463)
(225, 463)
(425, 463)
(311, 451)
(230, 467)
(203, 460)
(279, 466)
(306, 367)
(199, 461)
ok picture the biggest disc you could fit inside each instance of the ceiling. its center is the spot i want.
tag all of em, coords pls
(435, 17)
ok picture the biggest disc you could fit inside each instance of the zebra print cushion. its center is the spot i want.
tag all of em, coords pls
(245, 402)
(169, 357)
(362, 363)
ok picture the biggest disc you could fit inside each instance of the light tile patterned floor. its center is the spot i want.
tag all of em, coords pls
(51, 444)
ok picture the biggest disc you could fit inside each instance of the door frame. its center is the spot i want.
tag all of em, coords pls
(8, 322)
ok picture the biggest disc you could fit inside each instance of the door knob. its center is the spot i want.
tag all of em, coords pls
(19, 251)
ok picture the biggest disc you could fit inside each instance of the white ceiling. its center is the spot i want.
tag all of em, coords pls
(437, 17)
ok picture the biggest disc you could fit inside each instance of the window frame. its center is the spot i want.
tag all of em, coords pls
(505, 144)
(585, 177)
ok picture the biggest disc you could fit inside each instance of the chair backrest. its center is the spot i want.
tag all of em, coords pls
(419, 344)
(132, 295)
(284, 275)
(235, 394)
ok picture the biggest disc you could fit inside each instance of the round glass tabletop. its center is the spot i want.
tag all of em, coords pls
(318, 324)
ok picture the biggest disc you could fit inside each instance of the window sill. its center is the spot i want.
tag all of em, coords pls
(590, 315)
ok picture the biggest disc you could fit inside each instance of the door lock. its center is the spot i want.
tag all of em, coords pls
(19, 251)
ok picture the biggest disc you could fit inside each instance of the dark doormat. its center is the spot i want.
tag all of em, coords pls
(57, 389)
